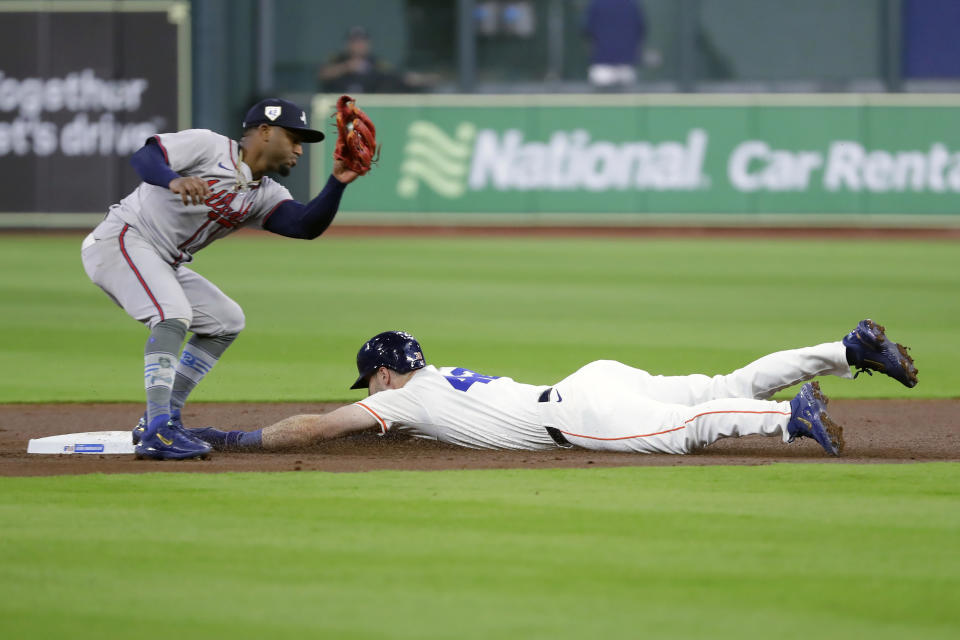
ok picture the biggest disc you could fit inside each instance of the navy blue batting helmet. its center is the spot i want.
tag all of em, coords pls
(396, 350)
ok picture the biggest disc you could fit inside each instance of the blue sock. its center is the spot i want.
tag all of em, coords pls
(245, 439)
(251, 439)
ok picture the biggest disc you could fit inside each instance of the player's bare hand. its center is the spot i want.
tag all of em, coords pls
(191, 190)
(342, 173)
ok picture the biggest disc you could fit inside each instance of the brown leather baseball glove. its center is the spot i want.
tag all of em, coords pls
(356, 137)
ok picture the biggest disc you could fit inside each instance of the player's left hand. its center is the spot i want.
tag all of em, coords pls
(342, 173)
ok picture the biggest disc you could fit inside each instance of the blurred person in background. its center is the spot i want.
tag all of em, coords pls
(355, 69)
(616, 29)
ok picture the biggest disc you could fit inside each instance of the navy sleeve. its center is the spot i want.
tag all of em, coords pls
(152, 166)
(307, 221)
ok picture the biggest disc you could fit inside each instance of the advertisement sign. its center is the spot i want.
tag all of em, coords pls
(79, 92)
(785, 156)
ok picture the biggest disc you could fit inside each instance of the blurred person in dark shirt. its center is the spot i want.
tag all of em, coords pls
(616, 29)
(356, 69)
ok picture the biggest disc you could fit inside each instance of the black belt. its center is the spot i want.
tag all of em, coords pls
(555, 433)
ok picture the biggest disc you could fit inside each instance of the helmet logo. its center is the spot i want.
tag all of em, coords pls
(303, 117)
(272, 112)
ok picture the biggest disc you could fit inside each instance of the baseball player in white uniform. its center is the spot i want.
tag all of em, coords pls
(198, 186)
(604, 406)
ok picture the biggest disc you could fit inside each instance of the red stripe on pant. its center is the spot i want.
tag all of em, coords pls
(143, 283)
(658, 433)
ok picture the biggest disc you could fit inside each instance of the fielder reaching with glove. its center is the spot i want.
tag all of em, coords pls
(605, 406)
(199, 186)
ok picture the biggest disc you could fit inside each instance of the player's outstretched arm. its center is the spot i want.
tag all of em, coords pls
(296, 431)
(356, 151)
(308, 429)
(307, 221)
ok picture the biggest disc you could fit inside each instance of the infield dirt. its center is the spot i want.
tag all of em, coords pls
(875, 431)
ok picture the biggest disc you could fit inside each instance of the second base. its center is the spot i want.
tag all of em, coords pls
(99, 442)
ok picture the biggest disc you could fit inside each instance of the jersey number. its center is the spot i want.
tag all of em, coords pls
(462, 379)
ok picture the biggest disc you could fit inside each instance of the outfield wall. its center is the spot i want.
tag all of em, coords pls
(845, 159)
(862, 160)
(82, 86)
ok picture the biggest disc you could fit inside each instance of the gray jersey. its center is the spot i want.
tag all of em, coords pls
(178, 231)
(461, 407)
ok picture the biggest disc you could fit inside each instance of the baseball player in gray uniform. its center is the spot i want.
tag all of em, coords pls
(198, 186)
(604, 406)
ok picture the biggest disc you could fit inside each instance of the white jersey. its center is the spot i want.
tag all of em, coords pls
(461, 407)
(604, 406)
(176, 230)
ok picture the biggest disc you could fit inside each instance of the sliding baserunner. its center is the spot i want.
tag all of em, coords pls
(604, 406)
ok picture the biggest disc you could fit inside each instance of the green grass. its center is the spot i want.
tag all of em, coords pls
(528, 308)
(783, 551)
